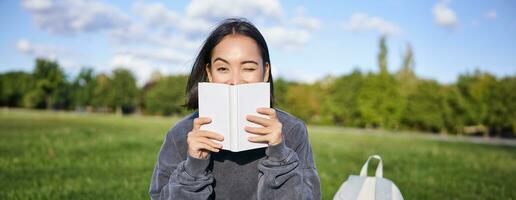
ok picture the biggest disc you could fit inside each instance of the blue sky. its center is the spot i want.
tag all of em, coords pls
(307, 39)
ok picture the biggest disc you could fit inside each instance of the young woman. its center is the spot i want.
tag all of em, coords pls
(191, 166)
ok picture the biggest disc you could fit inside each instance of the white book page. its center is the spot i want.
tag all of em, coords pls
(214, 103)
(250, 97)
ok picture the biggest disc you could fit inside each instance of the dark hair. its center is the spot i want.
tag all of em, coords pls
(229, 26)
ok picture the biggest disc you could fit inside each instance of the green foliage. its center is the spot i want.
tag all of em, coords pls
(280, 90)
(478, 103)
(424, 107)
(475, 88)
(382, 56)
(83, 88)
(166, 96)
(13, 87)
(501, 98)
(454, 110)
(101, 91)
(381, 103)
(50, 85)
(341, 103)
(302, 101)
(123, 90)
(406, 77)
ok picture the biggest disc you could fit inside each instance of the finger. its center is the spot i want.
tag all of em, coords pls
(205, 146)
(200, 121)
(210, 135)
(258, 120)
(257, 130)
(210, 143)
(267, 111)
(259, 139)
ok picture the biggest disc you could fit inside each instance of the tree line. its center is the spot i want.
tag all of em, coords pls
(477, 103)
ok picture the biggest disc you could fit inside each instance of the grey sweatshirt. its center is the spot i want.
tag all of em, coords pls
(283, 171)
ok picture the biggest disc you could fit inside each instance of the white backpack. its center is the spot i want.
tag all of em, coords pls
(364, 187)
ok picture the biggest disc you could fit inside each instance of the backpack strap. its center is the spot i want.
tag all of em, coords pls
(379, 168)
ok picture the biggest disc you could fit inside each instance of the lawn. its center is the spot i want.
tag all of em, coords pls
(58, 155)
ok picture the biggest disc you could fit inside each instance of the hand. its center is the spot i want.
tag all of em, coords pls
(200, 142)
(270, 133)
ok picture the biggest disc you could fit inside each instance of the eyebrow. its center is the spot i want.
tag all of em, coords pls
(243, 62)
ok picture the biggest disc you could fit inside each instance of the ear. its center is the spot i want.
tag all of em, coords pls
(208, 71)
(266, 72)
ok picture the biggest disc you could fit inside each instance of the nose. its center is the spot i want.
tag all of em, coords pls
(235, 79)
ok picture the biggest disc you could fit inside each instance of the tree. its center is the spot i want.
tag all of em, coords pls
(123, 94)
(50, 83)
(305, 108)
(475, 88)
(167, 96)
(281, 87)
(380, 101)
(406, 76)
(101, 93)
(501, 112)
(83, 88)
(341, 103)
(424, 107)
(382, 56)
(14, 86)
(454, 110)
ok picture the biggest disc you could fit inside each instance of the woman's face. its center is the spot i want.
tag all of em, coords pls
(236, 60)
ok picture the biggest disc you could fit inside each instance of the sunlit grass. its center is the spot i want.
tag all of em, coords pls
(56, 155)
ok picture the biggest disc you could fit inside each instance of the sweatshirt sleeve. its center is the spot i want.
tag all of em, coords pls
(286, 173)
(177, 178)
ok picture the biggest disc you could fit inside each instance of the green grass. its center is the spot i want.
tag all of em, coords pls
(55, 155)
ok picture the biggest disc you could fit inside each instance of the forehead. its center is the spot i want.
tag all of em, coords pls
(236, 46)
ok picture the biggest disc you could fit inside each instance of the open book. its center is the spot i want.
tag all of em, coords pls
(227, 106)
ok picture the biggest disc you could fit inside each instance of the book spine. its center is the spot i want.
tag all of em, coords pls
(233, 106)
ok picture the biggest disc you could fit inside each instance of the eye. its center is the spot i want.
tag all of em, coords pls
(250, 69)
(222, 69)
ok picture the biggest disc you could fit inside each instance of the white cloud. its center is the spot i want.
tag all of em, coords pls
(202, 16)
(141, 68)
(144, 61)
(286, 39)
(445, 16)
(24, 46)
(72, 16)
(364, 22)
(491, 14)
(138, 34)
(157, 16)
(215, 10)
(308, 23)
(37, 4)
(67, 58)
(166, 55)
(152, 37)
(305, 22)
(39, 50)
